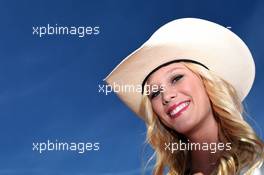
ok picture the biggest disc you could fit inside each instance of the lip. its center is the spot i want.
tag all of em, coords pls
(171, 108)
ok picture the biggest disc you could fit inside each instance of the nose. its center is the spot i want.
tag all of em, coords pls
(168, 96)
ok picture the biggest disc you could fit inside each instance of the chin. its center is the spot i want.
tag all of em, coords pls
(183, 131)
(184, 128)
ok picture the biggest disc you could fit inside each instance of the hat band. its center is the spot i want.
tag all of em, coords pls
(165, 64)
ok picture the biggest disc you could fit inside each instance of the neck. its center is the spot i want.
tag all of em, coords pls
(203, 160)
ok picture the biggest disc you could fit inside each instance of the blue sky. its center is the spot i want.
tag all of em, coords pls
(49, 85)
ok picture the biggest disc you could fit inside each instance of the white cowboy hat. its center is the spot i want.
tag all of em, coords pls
(200, 41)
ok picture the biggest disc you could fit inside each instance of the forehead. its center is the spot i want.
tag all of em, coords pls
(166, 70)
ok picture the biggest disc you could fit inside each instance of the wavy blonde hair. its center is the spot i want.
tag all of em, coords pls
(247, 149)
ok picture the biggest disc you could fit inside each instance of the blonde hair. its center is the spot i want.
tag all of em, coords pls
(247, 149)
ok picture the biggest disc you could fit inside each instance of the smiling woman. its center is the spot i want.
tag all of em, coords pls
(203, 72)
(212, 114)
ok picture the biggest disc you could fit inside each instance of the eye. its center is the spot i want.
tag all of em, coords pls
(176, 78)
(154, 94)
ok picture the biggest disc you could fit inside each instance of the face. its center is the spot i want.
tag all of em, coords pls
(181, 101)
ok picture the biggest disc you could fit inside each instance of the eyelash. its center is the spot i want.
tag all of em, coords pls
(174, 80)
(154, 94)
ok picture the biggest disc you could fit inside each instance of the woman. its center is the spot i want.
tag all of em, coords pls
(194, 76)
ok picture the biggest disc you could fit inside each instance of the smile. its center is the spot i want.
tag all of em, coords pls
(176, 110)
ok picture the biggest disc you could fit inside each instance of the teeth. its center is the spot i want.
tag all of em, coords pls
(175, 111)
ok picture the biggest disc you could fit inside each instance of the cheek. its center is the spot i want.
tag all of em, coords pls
(195, 89)
(159, 111)
(157, 107)
(202, 101)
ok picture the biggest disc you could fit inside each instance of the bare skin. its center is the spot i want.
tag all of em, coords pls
(181, 87)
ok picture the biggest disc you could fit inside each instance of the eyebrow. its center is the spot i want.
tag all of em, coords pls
(172, 69)
(168, 71)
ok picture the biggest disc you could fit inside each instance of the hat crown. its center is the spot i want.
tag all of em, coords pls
(188, 30)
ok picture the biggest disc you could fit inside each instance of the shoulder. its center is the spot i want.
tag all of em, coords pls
(258, 171)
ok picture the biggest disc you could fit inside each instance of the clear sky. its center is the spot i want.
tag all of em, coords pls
(49, 84)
